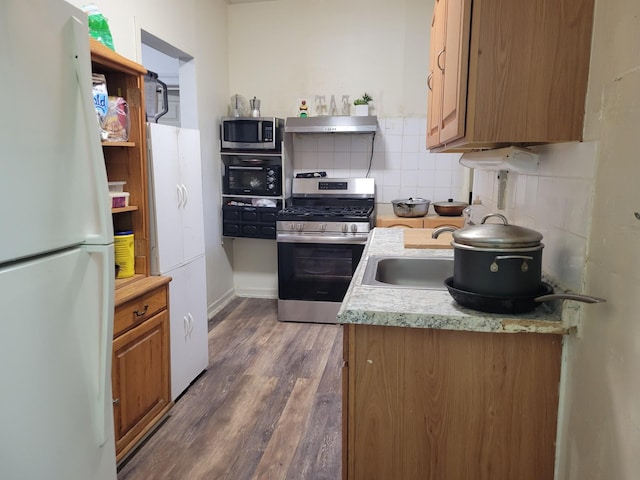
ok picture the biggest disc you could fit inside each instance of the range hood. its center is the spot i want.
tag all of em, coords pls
(331, 124)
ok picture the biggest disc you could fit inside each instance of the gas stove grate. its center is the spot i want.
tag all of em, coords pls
(337, 212)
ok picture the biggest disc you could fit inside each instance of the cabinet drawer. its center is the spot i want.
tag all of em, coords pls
(399, 222)
(435, 221)
(139, 309)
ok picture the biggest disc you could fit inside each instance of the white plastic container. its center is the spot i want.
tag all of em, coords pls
(116, 186)
(119, 199)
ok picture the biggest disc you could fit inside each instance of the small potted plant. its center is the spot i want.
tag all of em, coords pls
(362, 105)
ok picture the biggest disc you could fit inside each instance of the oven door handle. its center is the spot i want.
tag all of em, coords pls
(313, 238)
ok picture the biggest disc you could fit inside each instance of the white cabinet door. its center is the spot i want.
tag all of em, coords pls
(177, 194)
(188, 317)
(191, 181)
(167, 195)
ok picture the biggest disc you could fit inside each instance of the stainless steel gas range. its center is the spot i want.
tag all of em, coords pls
(320, 238)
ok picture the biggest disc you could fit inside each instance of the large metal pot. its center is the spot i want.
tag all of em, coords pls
(411, 207)
(450, 208)
(497, 259)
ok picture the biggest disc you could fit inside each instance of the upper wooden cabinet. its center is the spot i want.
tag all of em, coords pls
(505, 72)
(448, 70)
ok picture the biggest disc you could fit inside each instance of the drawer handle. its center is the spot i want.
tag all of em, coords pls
(138, 314)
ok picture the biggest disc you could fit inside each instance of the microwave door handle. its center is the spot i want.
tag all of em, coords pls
(260, 131)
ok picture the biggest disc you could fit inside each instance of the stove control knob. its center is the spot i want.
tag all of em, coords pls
(345, 228)
(292, 227)
(299, 227)
(354, 228)
(323, 227)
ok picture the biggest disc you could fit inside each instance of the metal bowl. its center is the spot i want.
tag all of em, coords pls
(411, 207)
(449, 208)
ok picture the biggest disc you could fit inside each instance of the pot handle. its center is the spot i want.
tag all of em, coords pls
(524, 267)
(570, 296)
(498, 215)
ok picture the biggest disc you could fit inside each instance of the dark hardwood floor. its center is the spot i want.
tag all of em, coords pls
(268, 407)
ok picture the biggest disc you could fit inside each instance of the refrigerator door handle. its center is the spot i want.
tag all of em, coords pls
(105, 350)
(186, 195)
(180, 197)
(79, 36)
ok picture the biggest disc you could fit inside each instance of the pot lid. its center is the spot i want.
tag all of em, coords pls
(496, 235)
(451, 203)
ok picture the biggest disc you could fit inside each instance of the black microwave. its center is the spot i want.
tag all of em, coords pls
(261, 180)
(259, 133)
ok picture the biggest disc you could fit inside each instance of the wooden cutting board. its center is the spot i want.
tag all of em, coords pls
(421, 238)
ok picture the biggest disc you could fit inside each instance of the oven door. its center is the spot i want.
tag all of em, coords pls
(316, 270)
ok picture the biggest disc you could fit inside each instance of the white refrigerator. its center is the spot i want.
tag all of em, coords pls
(56, 252)
(176, 223)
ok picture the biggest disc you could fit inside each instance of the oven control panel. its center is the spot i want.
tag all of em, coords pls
(322, 227)
(328, 185)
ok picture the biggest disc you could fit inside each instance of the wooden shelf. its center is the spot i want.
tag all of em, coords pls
(118, 144)
(126, 161)
(130, 208)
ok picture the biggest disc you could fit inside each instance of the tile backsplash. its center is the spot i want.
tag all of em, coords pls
(401, 165)
(556, 201)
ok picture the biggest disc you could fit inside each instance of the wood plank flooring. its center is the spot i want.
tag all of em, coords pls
(268, 407)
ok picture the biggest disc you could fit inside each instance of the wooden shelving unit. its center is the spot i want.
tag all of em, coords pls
(141, 358)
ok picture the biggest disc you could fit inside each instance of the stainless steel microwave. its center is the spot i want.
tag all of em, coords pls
(249, 133)
(261, 180)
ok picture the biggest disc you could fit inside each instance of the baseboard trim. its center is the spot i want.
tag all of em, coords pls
(219, 304)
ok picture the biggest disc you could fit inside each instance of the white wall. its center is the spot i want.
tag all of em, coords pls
(603, 423)
(200, 29)
(600, 426)
(285, 50)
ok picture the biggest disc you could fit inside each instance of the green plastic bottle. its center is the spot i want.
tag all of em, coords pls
(98, 25)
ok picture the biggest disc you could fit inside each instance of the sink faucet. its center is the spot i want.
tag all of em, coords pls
(445, 228)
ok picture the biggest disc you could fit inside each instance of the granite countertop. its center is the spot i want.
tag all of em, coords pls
(419, 308)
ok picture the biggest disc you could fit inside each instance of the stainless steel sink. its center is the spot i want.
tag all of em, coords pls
(408, 272)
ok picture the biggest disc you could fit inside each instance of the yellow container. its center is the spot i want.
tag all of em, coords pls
(125, 255)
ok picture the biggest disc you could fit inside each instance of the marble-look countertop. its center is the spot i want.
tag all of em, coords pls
(420, 308)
